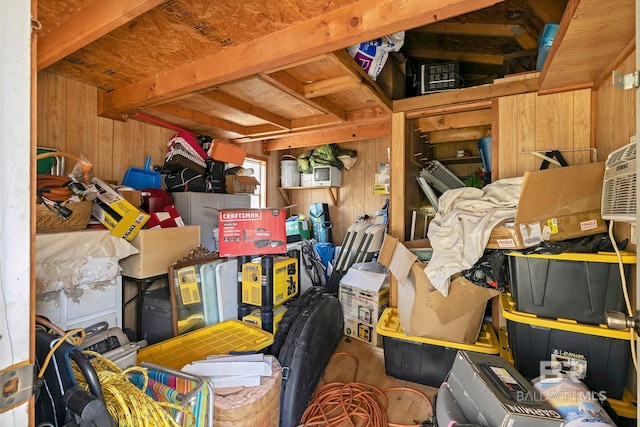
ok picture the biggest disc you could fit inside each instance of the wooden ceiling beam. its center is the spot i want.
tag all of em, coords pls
(483, 93)
(342, 59)
(200, 117)
(356, 116)
(520, 34)
(288, 84)
(330, 86)
(88, 24)
(450, 55)
(378, 128)
(247, 108)
(546, 10)
(360, 21)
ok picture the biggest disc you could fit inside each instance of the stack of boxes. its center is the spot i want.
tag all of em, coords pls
(266, 277)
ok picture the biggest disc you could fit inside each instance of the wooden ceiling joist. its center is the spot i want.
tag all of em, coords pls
(451, 55)
(248, 108)
(332, 31)
(546, 10)
(197, 116)
(330, 86)
(287, 83)
(348, 132)
(88, 24)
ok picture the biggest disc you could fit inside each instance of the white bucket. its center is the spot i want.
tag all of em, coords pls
(289, 174)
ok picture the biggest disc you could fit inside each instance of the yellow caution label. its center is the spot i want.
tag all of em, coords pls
(188, 285)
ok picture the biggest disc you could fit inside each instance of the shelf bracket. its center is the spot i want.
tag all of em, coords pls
(626, 81)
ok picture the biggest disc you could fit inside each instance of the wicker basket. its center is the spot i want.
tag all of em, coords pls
(50, 222)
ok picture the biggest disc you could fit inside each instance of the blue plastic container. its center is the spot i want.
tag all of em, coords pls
(484, 145)
(544, 43)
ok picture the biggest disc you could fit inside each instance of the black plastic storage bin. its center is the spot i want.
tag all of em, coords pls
(424, 360)
(602, 352)
(577, 286)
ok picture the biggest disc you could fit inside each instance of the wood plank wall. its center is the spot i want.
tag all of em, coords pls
(531, 122)
(356, 196)
(67, 121)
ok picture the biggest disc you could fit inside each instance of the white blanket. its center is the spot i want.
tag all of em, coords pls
(460, 230)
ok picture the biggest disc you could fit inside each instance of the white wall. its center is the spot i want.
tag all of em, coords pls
(15, 214)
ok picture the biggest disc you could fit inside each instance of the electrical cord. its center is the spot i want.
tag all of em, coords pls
(338, 404)
(625, 292)
(127, 404)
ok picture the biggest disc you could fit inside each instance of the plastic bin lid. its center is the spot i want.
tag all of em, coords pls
(608, 257)
(508, 308)
(626, 407)
(389, 326)
(221, 338)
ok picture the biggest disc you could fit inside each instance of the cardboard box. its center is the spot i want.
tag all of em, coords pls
(252, 231)
(490, 391)
(423, 310)
(364, 295)
(116, 213)
(238, 184)
(159, 248)
(555, 204)
(227, 152)
(133, 196)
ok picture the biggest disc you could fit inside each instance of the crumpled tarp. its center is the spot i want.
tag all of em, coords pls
(460, 230)
(65, 261)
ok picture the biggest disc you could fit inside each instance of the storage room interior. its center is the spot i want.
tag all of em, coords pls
(538, 120)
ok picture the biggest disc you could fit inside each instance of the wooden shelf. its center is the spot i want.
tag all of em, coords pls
(460, 160)
(332, 191)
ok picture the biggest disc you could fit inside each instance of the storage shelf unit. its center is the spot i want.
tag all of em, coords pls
(332, 191)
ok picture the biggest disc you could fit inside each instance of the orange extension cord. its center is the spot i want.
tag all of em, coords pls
(339, 404)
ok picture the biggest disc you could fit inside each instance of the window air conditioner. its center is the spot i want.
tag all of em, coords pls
(619, 185)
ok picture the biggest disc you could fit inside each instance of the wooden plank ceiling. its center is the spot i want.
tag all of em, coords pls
(246, 70)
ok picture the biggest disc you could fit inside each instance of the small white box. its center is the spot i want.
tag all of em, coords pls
(326, 176)
(364, 295)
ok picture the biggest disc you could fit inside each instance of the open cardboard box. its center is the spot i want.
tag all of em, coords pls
(423, 310)
(555, 204)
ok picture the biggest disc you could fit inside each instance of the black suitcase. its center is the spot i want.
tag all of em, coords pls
(306, 339)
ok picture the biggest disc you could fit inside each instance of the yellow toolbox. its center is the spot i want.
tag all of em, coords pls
(285, 280)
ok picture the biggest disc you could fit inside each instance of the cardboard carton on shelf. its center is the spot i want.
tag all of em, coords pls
(555, 204)
(159, 248)
(423, 310)
(240, 184)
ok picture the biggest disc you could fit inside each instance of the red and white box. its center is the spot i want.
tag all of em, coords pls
(252, 232)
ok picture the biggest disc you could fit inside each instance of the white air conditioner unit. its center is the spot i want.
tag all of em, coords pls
(619, 185)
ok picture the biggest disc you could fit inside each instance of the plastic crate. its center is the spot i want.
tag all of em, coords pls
(577, 286)
(425, 360)
(599, 356)
(221, 338)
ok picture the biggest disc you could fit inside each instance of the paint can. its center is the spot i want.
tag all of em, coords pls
(289, 173)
